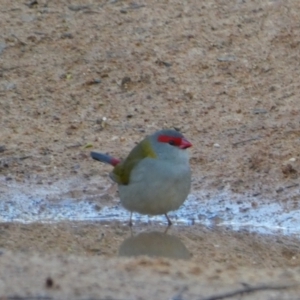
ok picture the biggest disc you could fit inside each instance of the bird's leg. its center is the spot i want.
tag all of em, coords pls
(130, 222)
(169, 221)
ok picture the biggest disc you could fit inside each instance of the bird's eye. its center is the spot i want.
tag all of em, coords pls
(171, 142)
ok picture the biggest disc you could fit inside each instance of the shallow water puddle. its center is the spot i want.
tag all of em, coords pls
(222, 210)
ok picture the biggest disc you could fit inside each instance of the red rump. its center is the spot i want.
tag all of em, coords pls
(114, 161)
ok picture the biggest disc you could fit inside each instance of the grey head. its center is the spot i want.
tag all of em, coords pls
(169, 144)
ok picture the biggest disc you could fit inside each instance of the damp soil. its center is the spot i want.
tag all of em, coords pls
(100, 75)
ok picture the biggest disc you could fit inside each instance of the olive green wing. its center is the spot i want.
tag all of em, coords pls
(121, 172)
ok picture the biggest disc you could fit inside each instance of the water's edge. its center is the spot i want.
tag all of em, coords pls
(211, 208)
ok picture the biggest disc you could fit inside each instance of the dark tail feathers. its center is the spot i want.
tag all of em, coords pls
(105, 158)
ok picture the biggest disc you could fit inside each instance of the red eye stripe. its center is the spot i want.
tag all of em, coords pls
(174, 141)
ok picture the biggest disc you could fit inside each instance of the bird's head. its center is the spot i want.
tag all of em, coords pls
(169, 143)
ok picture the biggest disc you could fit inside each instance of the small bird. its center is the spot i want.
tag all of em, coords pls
(155, 178)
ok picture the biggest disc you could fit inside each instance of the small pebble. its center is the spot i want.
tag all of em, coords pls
(10, 86)
(2, 46)
(227, 58)
(67, 35)
(216, 145)
(2, 148)
(77, 7)
(49, 282)
(32, 3)
(258, 111)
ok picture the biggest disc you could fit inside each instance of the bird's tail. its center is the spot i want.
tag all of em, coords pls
(105, 158)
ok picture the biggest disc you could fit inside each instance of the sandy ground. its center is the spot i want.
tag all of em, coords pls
(76, 76)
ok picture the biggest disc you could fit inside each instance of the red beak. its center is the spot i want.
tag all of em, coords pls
(185, 144)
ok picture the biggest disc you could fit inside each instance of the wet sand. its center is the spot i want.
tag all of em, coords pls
(96, 260)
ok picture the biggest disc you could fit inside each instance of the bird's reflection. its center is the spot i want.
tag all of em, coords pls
(154, 244)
